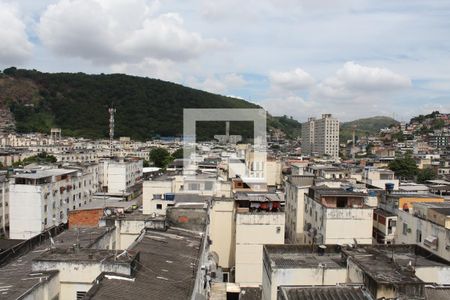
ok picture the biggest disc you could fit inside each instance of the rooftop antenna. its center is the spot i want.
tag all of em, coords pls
(111, 129)
(353, 140)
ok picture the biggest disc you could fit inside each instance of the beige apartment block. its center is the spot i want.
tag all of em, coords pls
(295, 188)
(222, 231)
(239, 227)
(337, 216)
(427, 226)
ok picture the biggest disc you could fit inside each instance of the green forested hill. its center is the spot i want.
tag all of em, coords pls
(78, 103)
(365, 126)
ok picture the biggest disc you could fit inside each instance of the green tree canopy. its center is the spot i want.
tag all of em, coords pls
(404, 167)
(178, 153)
(41, 158)
(160, 157)
(426, 174)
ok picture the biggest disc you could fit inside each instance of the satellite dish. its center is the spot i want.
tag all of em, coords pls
(108, 212)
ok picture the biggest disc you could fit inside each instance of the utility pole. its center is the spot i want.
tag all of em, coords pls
(353, 141)
(111, 130)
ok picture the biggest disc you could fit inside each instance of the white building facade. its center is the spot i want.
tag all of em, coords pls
(41, 199)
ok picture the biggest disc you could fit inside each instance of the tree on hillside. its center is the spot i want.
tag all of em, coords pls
(404, 167)
(437, 124)
(41, 158)
(425, 175)
(399, 136)
(160, 157)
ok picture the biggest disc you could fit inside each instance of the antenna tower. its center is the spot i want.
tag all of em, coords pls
(111, 129)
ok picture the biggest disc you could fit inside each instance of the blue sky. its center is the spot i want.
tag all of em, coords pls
(295, 57)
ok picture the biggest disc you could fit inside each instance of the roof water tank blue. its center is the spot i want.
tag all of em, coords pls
(389, 187)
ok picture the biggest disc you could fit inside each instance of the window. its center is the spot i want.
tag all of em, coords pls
(45, 208)
(208, 185)
(80, 295)
(194, 186)
(341, 202)
(158, 206)
(418, 236)
(405, 229)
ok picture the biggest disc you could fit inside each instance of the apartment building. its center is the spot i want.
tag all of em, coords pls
(384, 226)
(308, 137)
(360, 272)
(396, 201)
(379, 178)
(260, 220)
(80, 156)
(4, 203)
(295, 188)
(326, 136)
(427, 226)
(121, 176)
(321, 136)
(155, 189)
(336, 216)
(40, 199)
(299, 265)
(239, 227)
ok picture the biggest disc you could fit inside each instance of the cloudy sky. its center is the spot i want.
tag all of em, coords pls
(352, 58)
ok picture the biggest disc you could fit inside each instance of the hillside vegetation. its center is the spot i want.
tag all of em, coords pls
(78, 103)
(366, 126)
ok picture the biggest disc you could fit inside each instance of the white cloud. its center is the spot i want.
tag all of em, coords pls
(291, 80)
(219, 83)
(354, 80)
(353, 91)
(116, 32)
(153, 68)
(14, 45)
(172, 40)
(294, 106)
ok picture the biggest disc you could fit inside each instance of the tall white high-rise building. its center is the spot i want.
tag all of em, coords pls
(308, 136)
(321, 136)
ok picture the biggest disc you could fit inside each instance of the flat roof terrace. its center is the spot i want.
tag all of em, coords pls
(17, 277)
(166, 269)
(301, 256)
